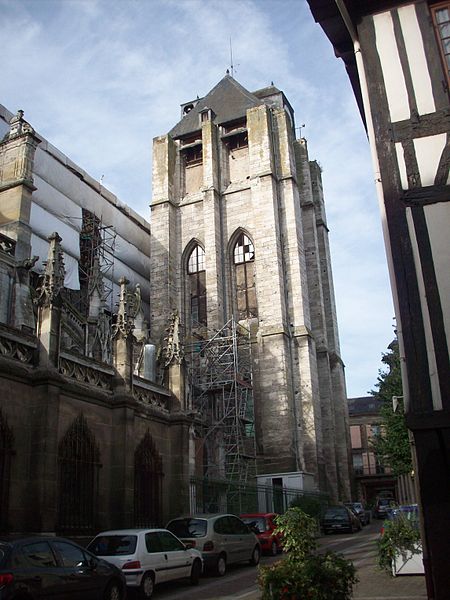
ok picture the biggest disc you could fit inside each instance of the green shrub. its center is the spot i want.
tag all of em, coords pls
(400, 536)
(304, 574)
(310, 505)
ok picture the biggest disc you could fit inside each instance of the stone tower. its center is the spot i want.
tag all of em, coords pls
(239, 229)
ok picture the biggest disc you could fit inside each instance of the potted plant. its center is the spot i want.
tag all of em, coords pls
(305, 573)
(399, 545)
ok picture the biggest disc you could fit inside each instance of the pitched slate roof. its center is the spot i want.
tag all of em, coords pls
(229, 101)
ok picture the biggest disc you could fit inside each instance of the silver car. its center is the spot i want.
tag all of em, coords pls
(222, 539)
(147, 557)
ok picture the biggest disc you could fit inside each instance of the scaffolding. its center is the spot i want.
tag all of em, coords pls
(220, 374)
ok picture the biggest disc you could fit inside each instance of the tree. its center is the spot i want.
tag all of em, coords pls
(392, 445)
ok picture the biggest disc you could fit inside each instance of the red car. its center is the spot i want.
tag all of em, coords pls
(264, 526)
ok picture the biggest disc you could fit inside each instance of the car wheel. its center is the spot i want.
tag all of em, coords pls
(256, 555)
(196, 571)
(273, 549)
(113, 592)
(221, 565)
(147, 586)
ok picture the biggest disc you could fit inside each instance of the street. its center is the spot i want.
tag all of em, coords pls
(239, 583)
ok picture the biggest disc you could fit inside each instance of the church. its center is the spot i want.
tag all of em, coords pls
(187, 365)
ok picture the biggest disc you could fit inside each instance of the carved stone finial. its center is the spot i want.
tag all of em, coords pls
(53, 279)
(172, 351)
(124, 324)
(18, 126)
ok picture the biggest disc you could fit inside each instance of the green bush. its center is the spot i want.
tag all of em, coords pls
(310, 505)
(304, 574)
(399, 537)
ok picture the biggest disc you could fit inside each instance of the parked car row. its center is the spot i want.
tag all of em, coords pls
(134, 559)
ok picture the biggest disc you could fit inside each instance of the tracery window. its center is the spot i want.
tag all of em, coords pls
(147, 484)
(244, 267)
(441, 19)
(6, 451)
(79, 464)
(197, 286)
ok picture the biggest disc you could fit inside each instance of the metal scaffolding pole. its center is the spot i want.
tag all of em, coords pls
(220, 370)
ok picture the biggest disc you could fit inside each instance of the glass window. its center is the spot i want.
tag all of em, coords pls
(71, 556)
(38, 554)
(169, 542)
(113, 545)
(152, 542)
(244, 270)
(197, 286)
(188, 528)
(441, 18)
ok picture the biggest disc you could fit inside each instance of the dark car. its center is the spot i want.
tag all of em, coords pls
(383, 506)
(340, 518)
(263, 525)
(54, 568)
(358, 509)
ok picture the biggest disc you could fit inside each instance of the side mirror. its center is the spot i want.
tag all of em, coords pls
(188, 545)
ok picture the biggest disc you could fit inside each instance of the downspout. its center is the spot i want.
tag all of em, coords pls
(378, 184)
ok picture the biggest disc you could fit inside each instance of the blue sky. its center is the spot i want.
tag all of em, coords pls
(101, 78)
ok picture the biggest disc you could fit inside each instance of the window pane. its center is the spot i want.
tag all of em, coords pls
(71, 555)
(442, 15)
(196, 261)
(444, 30)
(152, 543)
(38, 555)
(169, 543)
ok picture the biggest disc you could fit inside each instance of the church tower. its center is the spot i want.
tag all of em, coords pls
(239, 231)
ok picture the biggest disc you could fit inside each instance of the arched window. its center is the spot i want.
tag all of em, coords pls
(147, 484)
(6, 451)
(79, 463)
(197, 286)
(244, 267)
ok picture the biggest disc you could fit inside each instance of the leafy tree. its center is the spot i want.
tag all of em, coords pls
(392, 445)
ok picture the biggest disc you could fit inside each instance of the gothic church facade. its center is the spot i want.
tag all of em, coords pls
(238, 230)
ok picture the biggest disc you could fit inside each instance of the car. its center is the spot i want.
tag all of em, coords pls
(263, 525)
(382, 507)
(221, 538)
(340, 518)
(358, 509)
(148, 557)
(55, 568)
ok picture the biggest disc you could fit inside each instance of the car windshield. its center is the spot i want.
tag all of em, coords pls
(384, 502)
(3, 550)
(188, 528)
(260, 523)
(113, 545)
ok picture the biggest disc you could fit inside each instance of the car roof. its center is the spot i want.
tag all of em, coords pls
(268, 514)
(130, 531)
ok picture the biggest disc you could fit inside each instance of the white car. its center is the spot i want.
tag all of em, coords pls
(148, 557)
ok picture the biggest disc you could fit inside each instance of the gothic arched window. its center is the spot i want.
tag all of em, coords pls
(197, 285)
(6, 451)
(244, 268)
(79, 464)
(147, 484)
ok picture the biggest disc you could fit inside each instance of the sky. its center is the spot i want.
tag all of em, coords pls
(100, 79)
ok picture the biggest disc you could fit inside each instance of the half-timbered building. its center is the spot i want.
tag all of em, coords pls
(397, 54)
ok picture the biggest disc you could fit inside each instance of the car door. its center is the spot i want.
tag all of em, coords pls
(178, 560)
(80, 573)
(153, 558)
(245, 540)
(36, 570)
